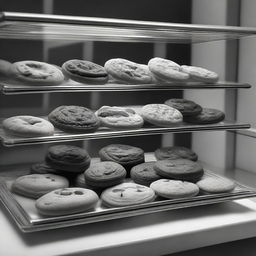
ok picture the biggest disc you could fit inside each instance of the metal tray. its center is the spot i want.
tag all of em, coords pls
(60, 136)
(11, 87)
(23, 210)
(14, 25)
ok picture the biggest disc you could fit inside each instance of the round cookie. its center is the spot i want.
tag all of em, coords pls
(104, 174)
(127, 194)
(127, 156)
(119, 118)
(186, 107)
(179, 169)
(166, 70)
(74, 119)
(36, 73)
(28, 126)
(173, 189)
(67, 158)
(66, 201)
(84, 71)
(36, 185)
(215, 185)
(5, 68)
(161, 115)
(128, 71)
(200, 74)
(207, 116)
(42, 168)
(144, 173)
(175, 152)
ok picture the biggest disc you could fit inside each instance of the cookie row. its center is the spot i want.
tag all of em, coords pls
(174, 177)
(115, 70)
(82, 119)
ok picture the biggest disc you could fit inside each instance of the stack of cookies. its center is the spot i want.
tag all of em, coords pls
(69, 182)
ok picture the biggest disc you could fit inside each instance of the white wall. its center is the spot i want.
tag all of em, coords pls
(210, 146)
(246, 106)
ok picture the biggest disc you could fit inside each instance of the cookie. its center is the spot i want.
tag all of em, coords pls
(74, 119)
(215, 185)
(36, 73)
(175, 152)
(5, 68)
(127, 156)
(84, 71)
(128, 71)
(144, 173)
(104, 174)
(179, 169)
(119, 118)
(207, 116)
(173, 189)
(200, 74)
(42, 168)
(186, 107)
(67, 201)
(67, 158)
(127, 194)
(167, 70)
(28, 126)
(36, 185)
(161, 115)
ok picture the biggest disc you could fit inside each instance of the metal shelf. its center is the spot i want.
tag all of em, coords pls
(24, 213)
(103, 133)
(58, 27)
(9, 87)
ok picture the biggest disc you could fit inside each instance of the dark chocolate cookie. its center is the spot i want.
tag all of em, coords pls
(85, 72)
(175, 153)
(104, 174)
(74, 119)
(179, 169)
(127, 156)
(186, 107)
(144, 173)
(69, 159)
(207, 116)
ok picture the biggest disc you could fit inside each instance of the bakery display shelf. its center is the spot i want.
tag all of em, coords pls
(23, 210)
(56, 27)
(103, 133)
(10, 88)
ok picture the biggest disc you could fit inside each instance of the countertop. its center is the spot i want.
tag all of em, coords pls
(151, 234)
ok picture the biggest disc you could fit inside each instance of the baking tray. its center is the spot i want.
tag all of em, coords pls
(24, 213)
(104, 133)
(11, 87)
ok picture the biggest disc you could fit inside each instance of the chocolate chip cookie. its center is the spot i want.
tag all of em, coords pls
(36, 185)
(127, 156)
(179, 169)
(173, 189)
(85, 72)
(126, 194)
(74, 119)
(186, 107)
(119, 118)
(207, 116)
(68, 159)
(144, 173)
(66, 201)
(175, 152)
(104, 174)
(127, 71)
(161, 115)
